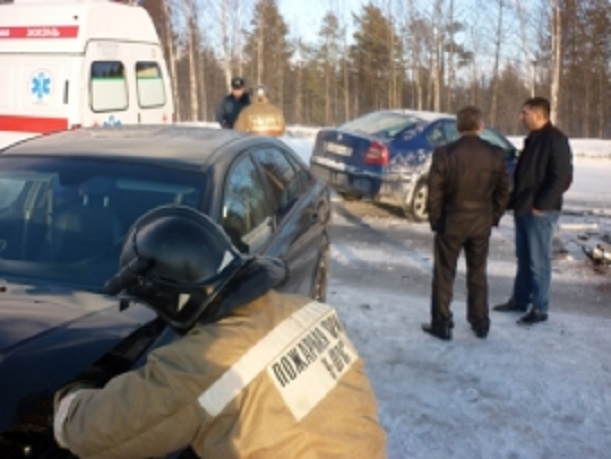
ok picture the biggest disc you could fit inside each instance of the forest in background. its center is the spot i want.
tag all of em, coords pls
(433, 55)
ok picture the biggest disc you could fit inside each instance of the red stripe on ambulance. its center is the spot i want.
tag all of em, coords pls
(32, 124)
(38, 32)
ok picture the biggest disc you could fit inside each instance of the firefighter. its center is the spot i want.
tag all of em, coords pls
(261, 116)
(255, 372)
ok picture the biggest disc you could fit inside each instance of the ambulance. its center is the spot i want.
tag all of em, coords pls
(66, 64)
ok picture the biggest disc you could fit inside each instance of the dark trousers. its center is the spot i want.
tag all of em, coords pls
(447, 250)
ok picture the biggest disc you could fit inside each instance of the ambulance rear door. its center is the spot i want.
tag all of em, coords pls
(127, 83)
(153, 97)
(108, 100)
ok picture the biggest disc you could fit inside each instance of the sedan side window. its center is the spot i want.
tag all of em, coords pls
(246, 216)
(436, 136)
(281, 177)
(495, 139)
(10, 190)
(450, 130)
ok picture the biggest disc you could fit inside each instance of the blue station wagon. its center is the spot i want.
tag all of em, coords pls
(385, 156)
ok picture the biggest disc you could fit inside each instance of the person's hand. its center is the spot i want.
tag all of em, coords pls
(92, 378)
(537, 212)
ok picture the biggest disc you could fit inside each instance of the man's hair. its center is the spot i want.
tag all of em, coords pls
(469, 119)
(540, 103)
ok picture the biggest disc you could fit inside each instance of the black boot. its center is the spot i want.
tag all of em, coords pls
(443, 332)
(534, 316)
(510, 306)
(481, 332)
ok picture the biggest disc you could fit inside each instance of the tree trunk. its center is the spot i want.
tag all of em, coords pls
(169, 40)
(437, 55)
(530, 63)
(260, 44)
(192, 50)
(346, 72)
(227, 49)
(327, 81)
(497, 60)
(451, 73)
(299, 95)
(415, 44)
(556, 19)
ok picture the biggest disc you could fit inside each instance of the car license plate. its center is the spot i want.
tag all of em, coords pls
(338, 149)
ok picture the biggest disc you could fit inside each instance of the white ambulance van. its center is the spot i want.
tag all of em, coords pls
(66, 64)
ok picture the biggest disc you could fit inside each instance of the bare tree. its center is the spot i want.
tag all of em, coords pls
(260, 43)
(171, 52)
(416, 42)
(437, 55)
(498, 41)
(451, 52)
(530, 65)
(556, 29)
(192, 51)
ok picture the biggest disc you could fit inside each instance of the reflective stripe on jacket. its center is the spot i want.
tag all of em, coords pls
(279, 378)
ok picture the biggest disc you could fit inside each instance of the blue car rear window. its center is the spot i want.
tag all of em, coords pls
(63, 220)
(382, 124)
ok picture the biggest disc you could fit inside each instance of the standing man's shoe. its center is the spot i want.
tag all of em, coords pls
(510, 306)
(481, 332)
(443, 332)
(533, 317)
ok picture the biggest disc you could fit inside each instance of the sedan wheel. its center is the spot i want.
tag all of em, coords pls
(417, 209)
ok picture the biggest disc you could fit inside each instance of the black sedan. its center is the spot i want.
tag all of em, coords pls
(385, 156)
(66, 202)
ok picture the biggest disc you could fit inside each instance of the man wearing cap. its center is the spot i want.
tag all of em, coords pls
(233, 103)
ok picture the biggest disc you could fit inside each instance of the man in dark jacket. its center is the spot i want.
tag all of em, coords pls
(468, 192)
(544, 172)
(233, 103)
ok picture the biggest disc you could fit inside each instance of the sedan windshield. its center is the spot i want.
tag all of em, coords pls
(64, 220)
(383, 124)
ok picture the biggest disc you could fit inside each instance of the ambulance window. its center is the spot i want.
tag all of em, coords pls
(108, 86)
(149, 82)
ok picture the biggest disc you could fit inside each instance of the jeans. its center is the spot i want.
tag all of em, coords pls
(533, 235)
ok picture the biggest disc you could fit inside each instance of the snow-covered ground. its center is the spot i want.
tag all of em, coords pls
(543, 392)
(540, 392)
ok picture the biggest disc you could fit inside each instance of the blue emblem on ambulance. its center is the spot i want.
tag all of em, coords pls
(41, 85)
(112, 122)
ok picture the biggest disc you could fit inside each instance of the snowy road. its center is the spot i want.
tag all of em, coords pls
(543, 392)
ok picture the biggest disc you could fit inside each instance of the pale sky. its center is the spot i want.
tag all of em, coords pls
(304, 17)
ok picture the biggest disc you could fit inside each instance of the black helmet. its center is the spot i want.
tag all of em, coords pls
(238, 83)
(176, 259)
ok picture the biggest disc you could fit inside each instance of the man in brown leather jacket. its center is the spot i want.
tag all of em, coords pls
(261, 117)
(257, 374)
(468, 193)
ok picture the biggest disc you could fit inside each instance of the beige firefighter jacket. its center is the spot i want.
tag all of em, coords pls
(261, 117)
(279, 378)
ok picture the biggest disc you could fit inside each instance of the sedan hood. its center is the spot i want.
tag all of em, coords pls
(50, 335)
